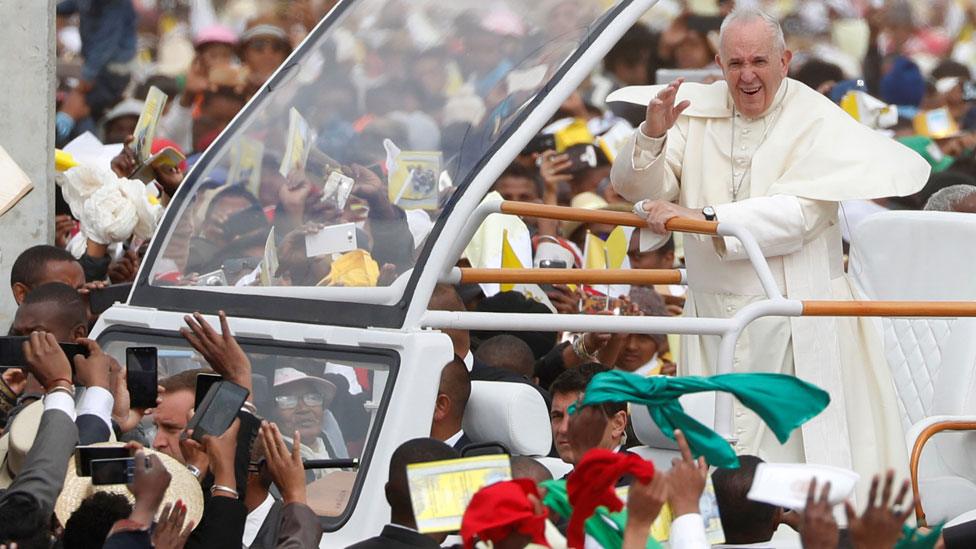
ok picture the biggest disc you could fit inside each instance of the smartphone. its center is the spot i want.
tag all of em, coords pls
(100, 299)
(12, 351)
(113, 471)
(84, 455)
(331, 240)
(204, 382)
(582, 157)
(540, 143)
(141, 376)
(218, 410)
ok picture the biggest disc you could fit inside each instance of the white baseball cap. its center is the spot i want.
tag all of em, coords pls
(287, 376)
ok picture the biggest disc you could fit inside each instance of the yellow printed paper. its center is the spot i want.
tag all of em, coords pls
(441, 490)
(245, 169)
(145, 131)
(298, 144)
(413, 182)
(269, 265)
(937, 124)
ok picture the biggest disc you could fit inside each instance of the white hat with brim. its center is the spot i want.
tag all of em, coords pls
(183, 486)
(17, 441)
(288, 376)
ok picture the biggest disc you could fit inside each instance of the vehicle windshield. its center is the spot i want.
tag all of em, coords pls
(336, 173)
(332, 398)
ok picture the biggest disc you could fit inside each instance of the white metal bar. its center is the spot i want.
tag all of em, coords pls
(454, 320)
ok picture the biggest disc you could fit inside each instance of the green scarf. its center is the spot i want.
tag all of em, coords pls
(783, 402)
(605, 527)
(912, 539)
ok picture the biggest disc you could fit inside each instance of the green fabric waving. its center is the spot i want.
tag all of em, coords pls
(783, 402)
(605, 527)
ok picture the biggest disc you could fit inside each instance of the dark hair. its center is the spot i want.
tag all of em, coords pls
(507, 352)
(634, 47)
(418, 450)
(72, 310)
(89, 525)
(949, 68)
(456, 384)
(32, 262)
(232, 191)
(166, 84)
(743, 520)
(518, 171)
(516, 302)
(183, 381)
(575, 380)
(23, 521)
(816, 72)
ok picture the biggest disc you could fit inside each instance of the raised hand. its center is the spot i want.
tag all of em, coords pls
(818, 529)
(96, 370)
(644, 502)
(285, 467)
(149, 486)
(221, 351)
(47, 361)
(221, 451)
(662, 113)
(169, 532)
(880, 524)
(686, 479)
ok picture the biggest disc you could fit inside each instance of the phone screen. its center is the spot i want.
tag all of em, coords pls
(218, 409)
(204, 382)
(88, 454)
(112, 471)
(141, 376)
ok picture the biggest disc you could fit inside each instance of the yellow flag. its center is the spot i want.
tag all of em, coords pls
(509, 260)
(617, 244)
(595, 252)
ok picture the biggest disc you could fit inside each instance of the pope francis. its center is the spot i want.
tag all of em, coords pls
(769, 154)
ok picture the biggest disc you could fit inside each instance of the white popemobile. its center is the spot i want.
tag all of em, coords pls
(231, 239)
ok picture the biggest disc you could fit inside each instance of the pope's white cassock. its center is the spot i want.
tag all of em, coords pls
(781, 176)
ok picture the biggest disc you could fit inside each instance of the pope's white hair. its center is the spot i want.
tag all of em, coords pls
(945, 200)
(749, 14)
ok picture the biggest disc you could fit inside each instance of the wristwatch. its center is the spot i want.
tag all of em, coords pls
(709, 213)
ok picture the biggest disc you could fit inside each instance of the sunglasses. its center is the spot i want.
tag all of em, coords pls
(288, 402)
(264, 43)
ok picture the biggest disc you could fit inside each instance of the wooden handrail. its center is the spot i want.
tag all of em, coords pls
(564, 213)
(570, 276)
(923, 438)
(890, 308)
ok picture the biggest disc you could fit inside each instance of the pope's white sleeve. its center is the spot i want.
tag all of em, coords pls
(780, 223)
(649, 167)
(688, 532)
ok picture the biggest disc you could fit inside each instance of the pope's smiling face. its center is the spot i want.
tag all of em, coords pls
(753, 65)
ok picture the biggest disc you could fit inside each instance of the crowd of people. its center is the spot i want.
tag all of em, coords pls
(377, 127)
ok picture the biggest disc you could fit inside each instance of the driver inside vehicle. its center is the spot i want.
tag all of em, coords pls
(301, 403)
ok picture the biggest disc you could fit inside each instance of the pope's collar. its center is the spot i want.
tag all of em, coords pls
(777, 101)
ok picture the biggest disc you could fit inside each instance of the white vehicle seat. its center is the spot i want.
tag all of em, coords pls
(925, 256)
(657, 447)
(514, 415)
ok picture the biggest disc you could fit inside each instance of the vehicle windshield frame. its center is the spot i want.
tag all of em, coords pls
(387, 358)
(332, 308)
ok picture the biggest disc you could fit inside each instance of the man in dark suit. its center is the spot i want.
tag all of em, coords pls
(452, 398)
(402, 532)
(26, 505)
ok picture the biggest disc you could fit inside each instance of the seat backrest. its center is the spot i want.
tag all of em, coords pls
(513, 414)
(915, 256)
(700, 406)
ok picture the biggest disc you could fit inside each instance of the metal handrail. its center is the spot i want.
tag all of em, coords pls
(566, 276)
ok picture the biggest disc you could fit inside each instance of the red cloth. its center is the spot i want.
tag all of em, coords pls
(592, 483)
(501, 509)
